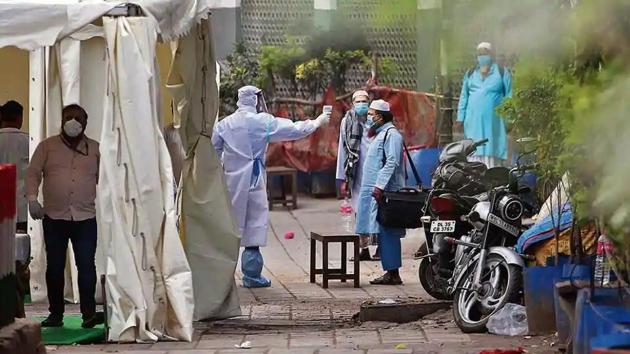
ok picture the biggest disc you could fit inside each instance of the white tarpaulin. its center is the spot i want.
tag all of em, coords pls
(209, 233)
(148, 279)
(39, 23)
(71, 71)
(149, 284)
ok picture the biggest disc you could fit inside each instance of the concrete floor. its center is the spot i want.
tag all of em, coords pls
(294, 316)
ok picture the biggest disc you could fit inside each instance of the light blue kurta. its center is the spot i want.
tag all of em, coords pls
(341, 158)
(389, 177)
(477, 103)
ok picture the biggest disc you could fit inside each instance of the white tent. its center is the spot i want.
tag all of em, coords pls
(111, 70)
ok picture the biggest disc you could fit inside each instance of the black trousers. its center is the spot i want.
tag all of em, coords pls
(82, 234)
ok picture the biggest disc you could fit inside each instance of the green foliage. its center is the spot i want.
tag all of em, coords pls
(280, 63)
(387, 70)
(602, 130)
(578, 108)
(338, 63)
(540, 107)
(312, 68)
(241, 70)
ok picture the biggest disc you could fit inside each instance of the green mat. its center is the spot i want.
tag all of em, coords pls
(71, 332)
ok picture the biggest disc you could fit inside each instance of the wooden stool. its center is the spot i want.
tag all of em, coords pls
(283, 172)
(340, 273)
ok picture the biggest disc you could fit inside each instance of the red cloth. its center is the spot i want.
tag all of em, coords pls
(8, 187)
(414, 115)
(501, 351)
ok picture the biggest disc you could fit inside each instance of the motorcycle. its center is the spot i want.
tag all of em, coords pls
(457, 186)
(488, 272)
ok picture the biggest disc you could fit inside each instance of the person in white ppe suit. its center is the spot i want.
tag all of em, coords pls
(241, 141)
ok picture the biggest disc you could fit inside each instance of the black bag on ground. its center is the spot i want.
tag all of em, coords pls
(403, 208)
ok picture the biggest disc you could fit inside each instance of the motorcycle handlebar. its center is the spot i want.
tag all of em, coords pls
(472, 148)
(481, 142)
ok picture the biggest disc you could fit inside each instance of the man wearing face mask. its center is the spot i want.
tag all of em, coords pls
(384, 170)
(483, 89)
(241, 141)
(353, 146)
(68, 165)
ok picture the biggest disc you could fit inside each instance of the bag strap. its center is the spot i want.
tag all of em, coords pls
(413, 166)
(384, 140)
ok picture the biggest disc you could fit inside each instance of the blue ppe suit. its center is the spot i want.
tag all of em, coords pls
(389, 176)
(477, 104)
(241, 140)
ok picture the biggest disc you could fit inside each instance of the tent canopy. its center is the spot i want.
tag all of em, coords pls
(39, 23)
(140, 221)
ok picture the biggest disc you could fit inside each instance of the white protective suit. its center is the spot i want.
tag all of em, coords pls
(241, 140)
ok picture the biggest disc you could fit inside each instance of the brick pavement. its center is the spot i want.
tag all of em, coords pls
(294, 316)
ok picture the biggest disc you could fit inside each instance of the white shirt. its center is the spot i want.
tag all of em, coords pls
(14, 150)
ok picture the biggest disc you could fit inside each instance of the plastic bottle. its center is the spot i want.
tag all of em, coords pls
(346, 215)
(511, 320)
(602, 261)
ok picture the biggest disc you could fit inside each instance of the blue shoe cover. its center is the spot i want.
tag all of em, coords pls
(260, 282)
(252, 265)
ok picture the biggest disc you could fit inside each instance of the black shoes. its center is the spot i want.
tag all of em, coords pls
(377, 254)
(388, 279)
(364, 256)
(97, 319)
(57, 321)
(52, 321)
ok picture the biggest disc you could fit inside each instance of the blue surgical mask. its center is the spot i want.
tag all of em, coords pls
(369, 122)
(484, 60)
(361, 108)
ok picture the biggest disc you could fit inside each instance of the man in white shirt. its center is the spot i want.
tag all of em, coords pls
(14, 150)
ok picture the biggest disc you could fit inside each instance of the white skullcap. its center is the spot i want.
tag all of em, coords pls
(484, 45)
(380, 105)
(359, 93)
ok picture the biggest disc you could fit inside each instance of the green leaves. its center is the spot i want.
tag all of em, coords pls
(541, 108)
(240, 70)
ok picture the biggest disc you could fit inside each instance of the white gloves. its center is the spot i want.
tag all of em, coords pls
(323, 119)
(36, 210)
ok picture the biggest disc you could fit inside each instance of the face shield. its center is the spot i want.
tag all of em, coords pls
(252, 96)
(261, 105)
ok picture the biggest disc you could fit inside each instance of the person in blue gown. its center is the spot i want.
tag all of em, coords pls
(241, 140)
(483, 89)
(383, 170)
(353, 146)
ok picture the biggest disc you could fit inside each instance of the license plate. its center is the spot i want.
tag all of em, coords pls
(497, 221)
(443, 226)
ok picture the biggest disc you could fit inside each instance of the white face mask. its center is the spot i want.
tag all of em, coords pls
(73, 128)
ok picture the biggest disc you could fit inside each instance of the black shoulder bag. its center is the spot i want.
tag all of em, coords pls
(403, 208)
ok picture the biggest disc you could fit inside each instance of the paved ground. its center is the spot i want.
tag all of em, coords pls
(294, 316)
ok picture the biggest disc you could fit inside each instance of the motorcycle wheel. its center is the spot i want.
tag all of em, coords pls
(501, 283)
(431, 285)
